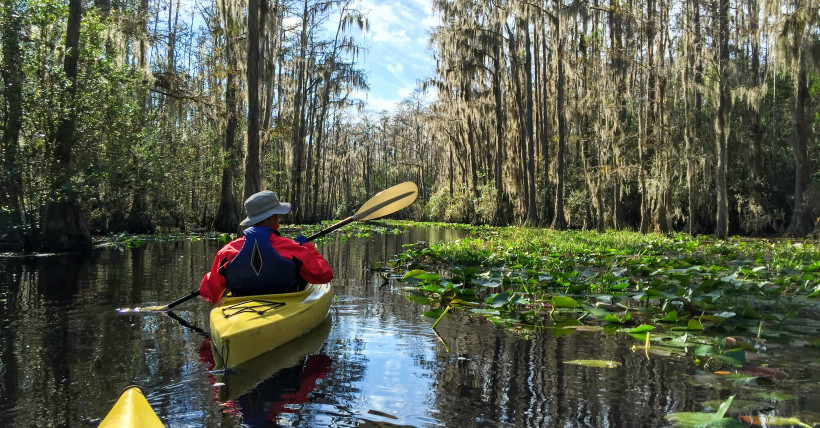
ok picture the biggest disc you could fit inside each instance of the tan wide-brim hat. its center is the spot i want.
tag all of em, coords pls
(262, 205)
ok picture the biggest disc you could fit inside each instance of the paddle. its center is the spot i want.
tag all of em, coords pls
(383, 203)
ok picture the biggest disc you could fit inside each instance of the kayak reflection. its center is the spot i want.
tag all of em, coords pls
(259, 390)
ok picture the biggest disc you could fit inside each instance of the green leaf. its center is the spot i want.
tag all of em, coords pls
(489, 283)
(642, 328)
(738, 354)
(431, 276)
(614, 318)
(604, 364)
(500, 299)
(721, 412)
(433, 288)
(704, 350)
(702, 419)
(775, 396)
(672, 316)
(694, 325)
(485, 311)
(413, 273)
(594, 310)
(565, 302)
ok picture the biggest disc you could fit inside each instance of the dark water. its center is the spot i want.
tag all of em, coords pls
(66, 353)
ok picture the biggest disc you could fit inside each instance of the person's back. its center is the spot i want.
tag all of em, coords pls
(262, 261)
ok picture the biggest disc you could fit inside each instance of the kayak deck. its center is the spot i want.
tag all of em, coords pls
(247, 326)
(131, 410)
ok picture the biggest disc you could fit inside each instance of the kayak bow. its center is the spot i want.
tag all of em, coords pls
(131, 410)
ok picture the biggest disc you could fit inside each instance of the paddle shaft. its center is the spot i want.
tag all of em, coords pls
(183, 300)
(321, 233)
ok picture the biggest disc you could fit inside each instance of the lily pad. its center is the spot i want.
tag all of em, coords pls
(775, 396)
(603, 364)
(642, 328)
(565, 302)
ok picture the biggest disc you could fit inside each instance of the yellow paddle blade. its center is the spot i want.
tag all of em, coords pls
(388, 201)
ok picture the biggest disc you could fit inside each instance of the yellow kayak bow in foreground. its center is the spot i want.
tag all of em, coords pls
(130, 411)
(248, 326)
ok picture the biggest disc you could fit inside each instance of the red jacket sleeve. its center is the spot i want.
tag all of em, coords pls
(213, 284)
(315, 269)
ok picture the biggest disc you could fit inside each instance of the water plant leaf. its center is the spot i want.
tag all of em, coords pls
(737, 405)
(596, 311)
(482, 311)
(672, 316)
(413, 273)
(429, 276)
(499, 300)
(603, 364)
(614, 318)
(642, 328)
(487, 282)
(435, 313)
(704, 350)
(773, 421)
(775, 396)
(587, 328)
(421, 300)
(694, 325)
(703, 419)
(565, 302)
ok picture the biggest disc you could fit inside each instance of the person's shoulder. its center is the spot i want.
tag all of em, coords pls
(234, 245)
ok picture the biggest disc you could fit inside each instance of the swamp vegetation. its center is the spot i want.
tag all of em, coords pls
(739, 310)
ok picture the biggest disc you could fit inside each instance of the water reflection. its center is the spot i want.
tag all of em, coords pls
(65, 354)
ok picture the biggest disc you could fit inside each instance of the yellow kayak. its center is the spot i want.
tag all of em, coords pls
(131, 410)
(245, 327)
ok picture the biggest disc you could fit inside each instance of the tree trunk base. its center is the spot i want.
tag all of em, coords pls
(63, 228)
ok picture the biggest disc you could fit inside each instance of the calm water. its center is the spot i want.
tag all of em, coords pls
(66, 353)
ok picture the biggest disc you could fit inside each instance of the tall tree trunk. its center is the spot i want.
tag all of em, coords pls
(620, 72)
(64, 142)
(253, 161)
(532, 209)
(11, 195)
(62, 224)
(521, 165)
(558, 220)
(802, 221)
(298, 140)
(687, 124)
(722, 119)
(501, 209)
(646, 145)
(228, 214)
(138, 220)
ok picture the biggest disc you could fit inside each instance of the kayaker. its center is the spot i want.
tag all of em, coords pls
(263, 261)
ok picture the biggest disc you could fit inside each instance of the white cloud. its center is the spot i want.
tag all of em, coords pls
(396, 69)
(379, 104)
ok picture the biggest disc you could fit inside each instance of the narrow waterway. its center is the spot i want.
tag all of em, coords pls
(66, 353)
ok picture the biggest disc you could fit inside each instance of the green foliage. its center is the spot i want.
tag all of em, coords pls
(696, 293)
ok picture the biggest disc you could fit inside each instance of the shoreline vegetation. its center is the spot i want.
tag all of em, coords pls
(741, 310)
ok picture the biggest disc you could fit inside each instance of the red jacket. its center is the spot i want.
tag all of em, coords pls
(314, 270)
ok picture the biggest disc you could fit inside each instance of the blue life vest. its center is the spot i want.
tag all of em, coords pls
(259, 269)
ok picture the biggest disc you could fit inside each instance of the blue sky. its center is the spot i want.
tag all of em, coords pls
(398, 53)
